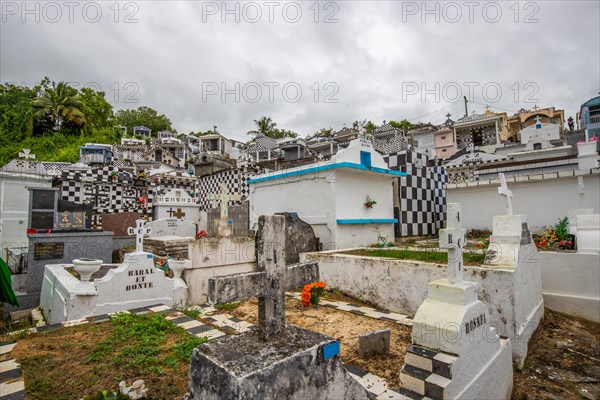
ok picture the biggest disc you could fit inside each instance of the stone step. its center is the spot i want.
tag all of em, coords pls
(423, 382)
(437, 362)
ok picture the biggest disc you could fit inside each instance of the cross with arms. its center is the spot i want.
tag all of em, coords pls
(139, 231)
(453, 239)
(224, 197)
(271, 280)
(503, 191)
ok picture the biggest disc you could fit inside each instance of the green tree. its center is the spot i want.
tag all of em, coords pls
(404, 124)
(61, 103)
(16, 113)
(98, 111)
(267, 127)
(370, 127)
(143, 116)
(324, 132)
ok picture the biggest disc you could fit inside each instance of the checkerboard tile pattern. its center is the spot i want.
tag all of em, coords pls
(12, 386)
(426, 372)
(236, 181)
(366, 311)
(112, 190)
(421, 194)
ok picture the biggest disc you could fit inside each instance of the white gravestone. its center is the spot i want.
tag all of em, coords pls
(512, 249)
(225, 229)
(456, 353)
(588, 233)
(453, 239)
(580, 211)
(172, 227)
(133, 284)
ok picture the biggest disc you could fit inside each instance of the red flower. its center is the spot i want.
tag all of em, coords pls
(569, 243)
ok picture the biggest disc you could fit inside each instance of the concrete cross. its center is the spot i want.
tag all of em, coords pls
(503, 191)
(535, 107)
(26, 154)
(453, 239)
(224, 197)
(581, 191)
(271, 280)
(139, 231)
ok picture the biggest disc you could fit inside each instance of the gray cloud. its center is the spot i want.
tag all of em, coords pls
(368, 58)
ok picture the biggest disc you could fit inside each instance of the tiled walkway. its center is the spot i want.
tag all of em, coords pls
(213, 325)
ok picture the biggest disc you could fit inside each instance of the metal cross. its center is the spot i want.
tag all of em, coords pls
(139, 231)
(503, 191)
(453, 239)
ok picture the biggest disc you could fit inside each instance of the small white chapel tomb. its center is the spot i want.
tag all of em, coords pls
(512, 249)
(133, 284)
(348, 201)
(176, 203)
(455, 352)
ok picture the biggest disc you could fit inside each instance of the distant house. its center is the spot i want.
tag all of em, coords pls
(588, 116)
(421, 136)
(94, 153)
(526, 118)
(142, 131)
(485, 131)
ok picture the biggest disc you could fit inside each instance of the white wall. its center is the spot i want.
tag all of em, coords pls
(571, 283)
(308, 195)
(14, 208)
(543, 198)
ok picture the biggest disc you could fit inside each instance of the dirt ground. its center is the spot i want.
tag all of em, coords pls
(345, 327)
(563, 361)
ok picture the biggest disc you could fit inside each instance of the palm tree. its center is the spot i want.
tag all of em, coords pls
(265, 126)
(60, 103)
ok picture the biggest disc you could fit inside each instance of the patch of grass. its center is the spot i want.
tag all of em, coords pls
(228, 306)
(136, 343)
(188, 312)
(430, 256)
(181, 352)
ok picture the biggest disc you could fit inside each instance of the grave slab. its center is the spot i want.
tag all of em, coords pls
(274, 361)
(135, 283)
(374, 343)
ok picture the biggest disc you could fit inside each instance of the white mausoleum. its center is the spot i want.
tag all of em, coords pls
(176, 203)
(332, 196)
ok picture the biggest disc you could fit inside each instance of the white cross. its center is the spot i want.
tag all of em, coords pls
(139, 231)
(224, 197)
(26, 154)
(538, 121)
(453, 239)
(581, 190)
(503, 191)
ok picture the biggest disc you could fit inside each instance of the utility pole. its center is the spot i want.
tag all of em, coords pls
(466, 111)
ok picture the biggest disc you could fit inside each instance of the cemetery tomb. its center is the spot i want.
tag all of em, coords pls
(348, 201)
(456, 353)
(133, 284)
(510, 278)
(512, 249)
(265, 363)
(176, 203)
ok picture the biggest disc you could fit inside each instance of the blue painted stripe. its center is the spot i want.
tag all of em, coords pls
(331, 350)
(326, 168)
(366, 221)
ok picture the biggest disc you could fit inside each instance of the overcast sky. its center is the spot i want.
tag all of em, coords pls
(309, 65)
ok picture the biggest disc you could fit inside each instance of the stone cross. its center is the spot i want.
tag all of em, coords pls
(139, 231)
(26, 154)
(453, 239)
(271, 279)
(503, 191)
(224, 197)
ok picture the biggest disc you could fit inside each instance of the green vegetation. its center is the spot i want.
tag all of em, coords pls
(228, 306)
(267, 127)
(430, 256)
(55, 119)
(136, 341)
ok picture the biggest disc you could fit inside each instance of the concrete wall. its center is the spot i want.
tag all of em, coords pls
(213, 257)
(543, 198)
(14, 208)
(570, 283)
